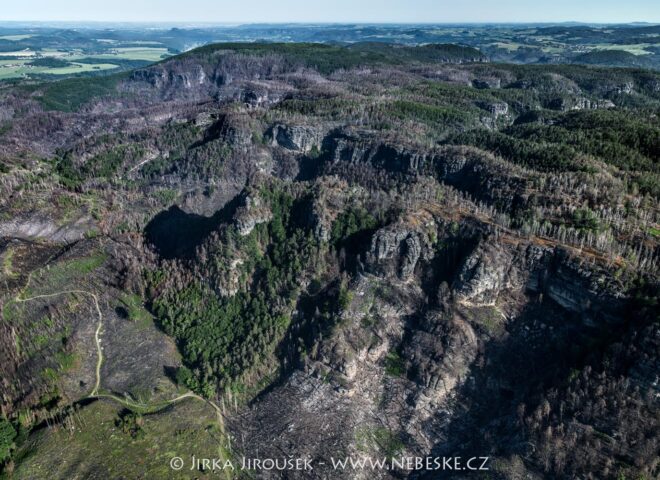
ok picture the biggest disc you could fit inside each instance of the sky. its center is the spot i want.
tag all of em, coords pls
(399, 11)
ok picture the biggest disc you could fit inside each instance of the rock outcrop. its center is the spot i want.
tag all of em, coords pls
(251, 213)
(300, 138)
(395, 251)
(483, 275)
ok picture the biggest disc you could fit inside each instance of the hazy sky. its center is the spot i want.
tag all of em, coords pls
(231, 11)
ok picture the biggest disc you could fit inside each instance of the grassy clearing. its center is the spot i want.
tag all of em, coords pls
(99, 447)
(509, 46)
(7, 264)
(7, 62)
(12, 312)
(75, 68)
(135, 309)
(63, 275)
(490, 318)
(39, 330)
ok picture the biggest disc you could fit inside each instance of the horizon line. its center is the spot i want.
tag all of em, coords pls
(357, 22)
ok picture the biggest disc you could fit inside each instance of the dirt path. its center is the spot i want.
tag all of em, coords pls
(97, 333)
(97, 340)
(155, 406)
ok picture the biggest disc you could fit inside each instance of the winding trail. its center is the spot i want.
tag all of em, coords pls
(97, 333)
(97, 385)
(162, 404)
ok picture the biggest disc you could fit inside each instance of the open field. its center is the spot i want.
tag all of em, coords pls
(20, 69)
(19, 53)
(98, 442)
(15, 38)
(149, 54)
(17, 63)
(636, 49)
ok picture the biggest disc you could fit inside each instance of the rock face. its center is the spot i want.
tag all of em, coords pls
(395, 251)
(578, 103)
(297, 137)
(442, 351)
(256, 95)
(466, 168)
(652, 85)
(400, 363)
(232, 128)
(491, 271)
(582, 290)
(229, 76)
(250, 214)
(189, 81)
(625, 88)
(496, 109)
(362, 147)
(483, 275)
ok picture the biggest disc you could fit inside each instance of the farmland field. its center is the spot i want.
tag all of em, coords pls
(149, 54)
(635, 49)
(19, 68)
(17, 63)
(15, 38)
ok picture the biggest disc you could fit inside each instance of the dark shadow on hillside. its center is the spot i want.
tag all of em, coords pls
(538, 352)
(176, 234)
(310, 167)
